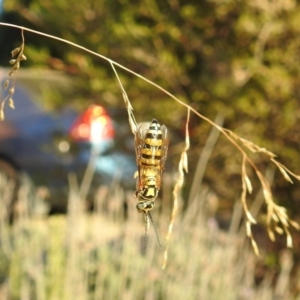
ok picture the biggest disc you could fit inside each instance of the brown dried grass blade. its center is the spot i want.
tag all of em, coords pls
(177, 188)
(246, 185)
(131, 118)
(285, 171)
(18, 55)
(250, 235)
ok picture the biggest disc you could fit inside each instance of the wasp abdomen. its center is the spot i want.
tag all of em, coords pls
(151, 143)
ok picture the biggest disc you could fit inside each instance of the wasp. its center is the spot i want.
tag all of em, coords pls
(151, 146)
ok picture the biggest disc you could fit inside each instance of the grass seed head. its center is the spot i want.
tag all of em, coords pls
(6, 84)
(15, 52)
(11, 103)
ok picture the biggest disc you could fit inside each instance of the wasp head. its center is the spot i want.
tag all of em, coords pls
(145, 206)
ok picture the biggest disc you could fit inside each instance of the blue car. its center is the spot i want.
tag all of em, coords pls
(46, 147)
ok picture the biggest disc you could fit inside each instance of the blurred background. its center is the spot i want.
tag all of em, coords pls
(236, 62)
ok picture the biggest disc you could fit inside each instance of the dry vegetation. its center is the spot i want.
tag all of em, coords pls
(98, 255)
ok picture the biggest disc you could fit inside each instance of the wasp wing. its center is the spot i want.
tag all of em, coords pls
(139, 141)
(164, 147)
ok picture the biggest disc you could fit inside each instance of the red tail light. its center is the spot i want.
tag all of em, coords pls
(94, 125)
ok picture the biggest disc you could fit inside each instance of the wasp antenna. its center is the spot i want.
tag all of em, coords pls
(146, 231)
(150, 217)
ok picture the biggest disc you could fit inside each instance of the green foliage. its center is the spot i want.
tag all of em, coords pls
(240, 58)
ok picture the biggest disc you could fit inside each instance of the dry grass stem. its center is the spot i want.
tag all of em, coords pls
(284, 170)
(131, 118)
(182, 167)
(9, 85)
(250, 235)
(246, 185)
(276, 215)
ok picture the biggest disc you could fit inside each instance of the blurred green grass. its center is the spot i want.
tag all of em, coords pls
(99, 255)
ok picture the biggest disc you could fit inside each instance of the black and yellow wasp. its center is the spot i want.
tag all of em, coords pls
(151, 146)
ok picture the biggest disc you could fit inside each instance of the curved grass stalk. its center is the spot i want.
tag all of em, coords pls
(182, 167)
(275, 214)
